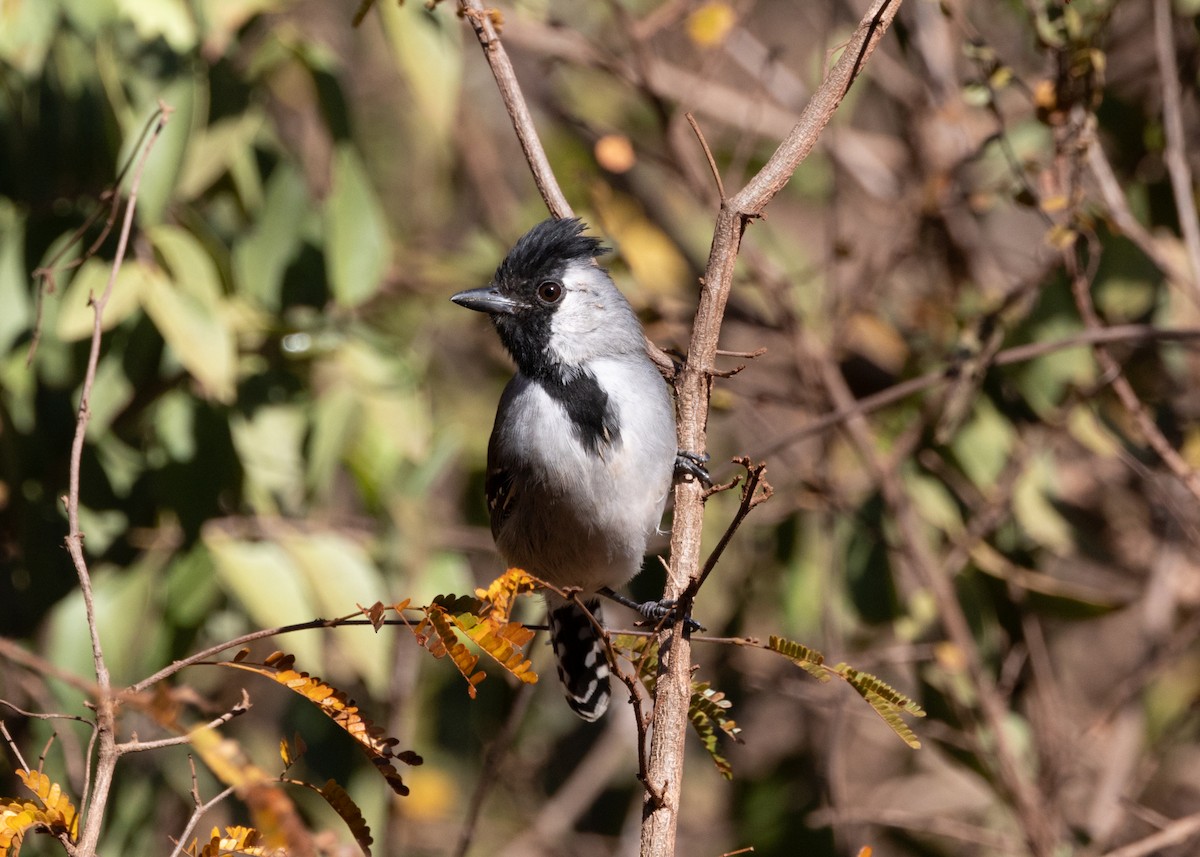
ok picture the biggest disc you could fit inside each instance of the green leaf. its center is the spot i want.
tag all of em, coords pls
(262, 577)
(261, 258)
(189, 319)
(983, 445)
(1034, 511)
(269, 447)
(192, 267)
(223, 147)
(76, 318)
(165, 161)
(170, 20)
(341, 574)
(428, 50)
(357, 250)
(14, 291)
(26, 32)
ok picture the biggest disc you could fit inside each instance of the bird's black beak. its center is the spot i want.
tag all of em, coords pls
(488, 299)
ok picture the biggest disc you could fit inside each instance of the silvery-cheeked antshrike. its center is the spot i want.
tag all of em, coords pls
(583, 449)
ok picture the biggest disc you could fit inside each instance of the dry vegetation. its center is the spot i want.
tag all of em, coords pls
(962, 339)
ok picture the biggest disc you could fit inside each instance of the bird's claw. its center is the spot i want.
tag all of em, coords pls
(692, 464)
(656, 611)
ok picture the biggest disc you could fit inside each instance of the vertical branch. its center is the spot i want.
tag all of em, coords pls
(693, 386)
(105, 713)
(1175, 153)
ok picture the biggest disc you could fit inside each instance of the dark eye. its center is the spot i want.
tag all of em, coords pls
(550, 291)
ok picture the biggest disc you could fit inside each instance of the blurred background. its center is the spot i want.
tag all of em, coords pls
(290, 417)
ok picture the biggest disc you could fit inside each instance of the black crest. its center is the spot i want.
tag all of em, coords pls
(542, 250)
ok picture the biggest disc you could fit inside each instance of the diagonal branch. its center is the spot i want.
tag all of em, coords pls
(514, 102)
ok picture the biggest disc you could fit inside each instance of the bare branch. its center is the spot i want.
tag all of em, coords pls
(1175, 153)
(106, 761)
(1081, 287)
(693, 387)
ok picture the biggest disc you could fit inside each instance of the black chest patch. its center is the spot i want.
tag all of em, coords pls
(586, 404)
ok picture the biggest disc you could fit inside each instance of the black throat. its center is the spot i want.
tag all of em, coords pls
(586, 404)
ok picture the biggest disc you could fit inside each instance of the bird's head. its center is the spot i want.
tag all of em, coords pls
(553, 306)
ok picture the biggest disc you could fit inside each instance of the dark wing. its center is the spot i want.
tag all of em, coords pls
(499, 486)
(502, 483)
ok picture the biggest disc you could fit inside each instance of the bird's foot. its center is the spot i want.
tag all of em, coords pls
(655, 611)
(692, 464)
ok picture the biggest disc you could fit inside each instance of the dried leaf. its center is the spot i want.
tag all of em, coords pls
(341, 803)
(445, 642)
(339, 708)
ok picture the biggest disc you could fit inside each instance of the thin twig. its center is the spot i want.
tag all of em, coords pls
(1175, 152)
(751, 497)
(1007, 357)
(12, 745)
(204, 655)
(198, 812)
(1176, 833)
(489, 773)
(712, 162)
(94, 803)
(135, 746)
(1081, 286)
(45, 276)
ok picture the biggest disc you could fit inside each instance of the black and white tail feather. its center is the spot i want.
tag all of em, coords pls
(580, 658)
(582, 452)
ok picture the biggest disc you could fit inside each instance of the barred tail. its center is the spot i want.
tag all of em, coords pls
(582, 665)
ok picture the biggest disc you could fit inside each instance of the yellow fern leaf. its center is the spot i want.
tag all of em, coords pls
(809, 660)
(339, 708)
(446, 643)
(505, 643)
(16, 819)
(59, 811)
(502, 592)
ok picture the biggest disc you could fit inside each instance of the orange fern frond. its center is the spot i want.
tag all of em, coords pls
(339, 708)
(502, 593)
(445, 642)
(505, 642)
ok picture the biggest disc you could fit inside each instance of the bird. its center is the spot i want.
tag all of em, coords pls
(582, 454)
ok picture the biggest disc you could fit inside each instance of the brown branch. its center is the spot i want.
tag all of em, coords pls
(693, 387)
(93, 803)
(1081, 288)
(1125, 220)
(518, 110)
(199, 811)
(490, 768)
(712, 162)
(751, 497)
(915, 550)
(133, 745)
(1176, 833)
(202, 656)
(1007, 357)
(1175, 152)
